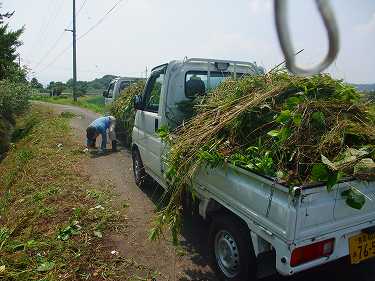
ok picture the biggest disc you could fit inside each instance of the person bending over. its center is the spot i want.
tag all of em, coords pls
(100, 127)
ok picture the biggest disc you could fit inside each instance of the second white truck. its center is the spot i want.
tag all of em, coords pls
(116, 86)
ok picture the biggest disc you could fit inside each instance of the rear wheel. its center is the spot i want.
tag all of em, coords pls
(140, 175)
(231, 251)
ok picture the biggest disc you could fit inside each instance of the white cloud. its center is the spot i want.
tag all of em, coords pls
(368, 27)
(260, 6)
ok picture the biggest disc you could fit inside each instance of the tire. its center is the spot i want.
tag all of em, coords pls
(140, 176)
(230, 249)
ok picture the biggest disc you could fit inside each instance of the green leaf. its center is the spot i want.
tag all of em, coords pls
(285, 134)
(354, 198)
(164, 133)
(46, 266)
(250, 166)
(327, 162)
(318, 118)
(98, 234)
(292, 102)
(332, 180)
(280, 174)
(284, 117)
(274, 133)
(154, 233)
(67, 232)
(297, 119)
(320, 172)
(282, 134)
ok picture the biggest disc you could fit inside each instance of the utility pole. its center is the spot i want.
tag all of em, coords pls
(19, 60)
(74, 32)
(74, 53)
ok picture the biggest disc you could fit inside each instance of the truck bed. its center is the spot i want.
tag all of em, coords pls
(310, 213)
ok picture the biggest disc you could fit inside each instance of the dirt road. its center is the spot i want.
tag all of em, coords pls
(190, 262)
(186, 263)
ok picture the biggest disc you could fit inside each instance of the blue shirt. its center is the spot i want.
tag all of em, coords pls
(101, 125)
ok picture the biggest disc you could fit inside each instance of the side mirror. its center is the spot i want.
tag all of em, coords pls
(105, 94)
(138, 103)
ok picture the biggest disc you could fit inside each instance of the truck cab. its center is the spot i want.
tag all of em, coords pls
(168, 87)
(116, 86)
(253, 219)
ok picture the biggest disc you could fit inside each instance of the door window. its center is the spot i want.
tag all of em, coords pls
(153, 91)
(197, 82)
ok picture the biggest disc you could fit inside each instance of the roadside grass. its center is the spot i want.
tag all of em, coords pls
(93, 103)
(54, 224)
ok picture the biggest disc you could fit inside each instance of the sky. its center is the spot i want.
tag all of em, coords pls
(145, 33)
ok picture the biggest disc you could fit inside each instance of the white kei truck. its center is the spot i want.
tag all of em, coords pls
(116, 86)
(251, 216)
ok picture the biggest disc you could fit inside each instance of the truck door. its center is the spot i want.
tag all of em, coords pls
(149, 123)
(109, 95)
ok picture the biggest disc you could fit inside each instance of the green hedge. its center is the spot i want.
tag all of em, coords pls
(14, 100)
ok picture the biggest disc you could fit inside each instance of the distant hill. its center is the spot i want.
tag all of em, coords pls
(365, 87)
(96, 86)
(99, 84)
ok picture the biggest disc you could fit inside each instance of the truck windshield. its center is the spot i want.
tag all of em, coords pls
(199, 82)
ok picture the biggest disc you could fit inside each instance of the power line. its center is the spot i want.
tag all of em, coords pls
(42, 27)
(78, 12)
(100, 20)
(56, 58)
(53, 16)
(82, 6)
(50, 50)
(83, 35)
(54, 45)
(27, 61)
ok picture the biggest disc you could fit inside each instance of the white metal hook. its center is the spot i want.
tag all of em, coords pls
(324, 7)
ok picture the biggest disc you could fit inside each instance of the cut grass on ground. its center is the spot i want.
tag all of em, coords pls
(54, 224)
(93, 103)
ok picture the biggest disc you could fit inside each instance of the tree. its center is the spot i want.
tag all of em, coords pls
(59, 87)
(14, 91)
(6, 15)
(35, 84)
(56, 88)
(9, 42)
(81, 86)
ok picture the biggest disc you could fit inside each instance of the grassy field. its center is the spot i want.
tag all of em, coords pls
(94, 103)
(54, 224)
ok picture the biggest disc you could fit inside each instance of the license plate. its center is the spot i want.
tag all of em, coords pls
(361, 247)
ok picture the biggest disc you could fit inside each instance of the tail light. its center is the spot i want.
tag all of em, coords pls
(312, 252)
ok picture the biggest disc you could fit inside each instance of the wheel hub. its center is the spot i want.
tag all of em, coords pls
(227, 254)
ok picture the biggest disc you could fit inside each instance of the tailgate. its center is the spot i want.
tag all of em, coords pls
(321, 212)
(349, 216)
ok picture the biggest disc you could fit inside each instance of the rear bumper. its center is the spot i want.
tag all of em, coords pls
(341, 250)
(340, 269)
